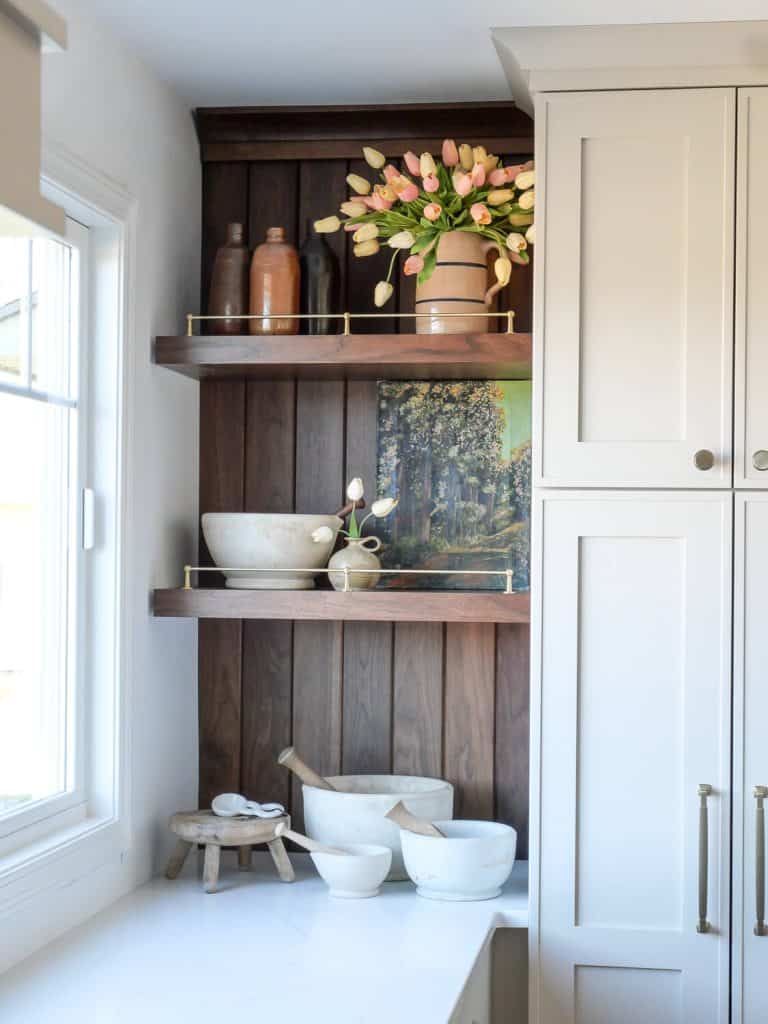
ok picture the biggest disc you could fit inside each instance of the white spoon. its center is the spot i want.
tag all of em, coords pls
(232, 805)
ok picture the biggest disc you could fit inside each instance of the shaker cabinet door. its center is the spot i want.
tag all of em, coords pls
(751, 384)
(750, 939)
(634, 307)
(635, 718)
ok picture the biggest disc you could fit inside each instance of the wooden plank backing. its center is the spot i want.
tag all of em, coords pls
(512, 740)
(469, 716)
(225, 200)
(418, 699)
(268, 646)
(222, 431)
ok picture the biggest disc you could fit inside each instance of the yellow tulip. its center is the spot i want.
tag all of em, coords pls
(516, 242)
(466, 157)
(386, 192)
(479, 154)
(401, 240)
(527, 200)
(502, 268)
(373, 157)
(490, 163)
(530, 234)
(358, 184)
(366, 232)
(520, 220)
(327, 225)
(426, 165)
(382, 294)
(353, 208)
(369, 248)
(500, 195)
(525, 180)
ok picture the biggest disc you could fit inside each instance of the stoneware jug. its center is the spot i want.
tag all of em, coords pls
(228, 294)
(459, 284)
(275, 284)
(357, 553)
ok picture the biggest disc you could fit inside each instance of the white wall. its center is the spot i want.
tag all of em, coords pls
(108, 111)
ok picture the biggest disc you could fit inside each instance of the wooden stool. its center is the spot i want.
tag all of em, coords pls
(213, 832)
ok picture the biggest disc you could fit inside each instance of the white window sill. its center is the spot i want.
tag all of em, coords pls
(59, 858)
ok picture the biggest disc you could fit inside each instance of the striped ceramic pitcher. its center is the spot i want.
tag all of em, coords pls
(459, 284)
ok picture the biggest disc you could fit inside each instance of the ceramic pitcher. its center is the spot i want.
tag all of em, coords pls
(358, 553)
(459, 284)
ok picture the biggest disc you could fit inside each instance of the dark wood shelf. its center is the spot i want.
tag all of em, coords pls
(332, 605)
(349, 357)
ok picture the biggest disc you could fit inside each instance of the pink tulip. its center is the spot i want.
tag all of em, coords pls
(477, 176)
(479, 213)
(432, 211)
(408, 193)
(390, 173)
(510, 173)
(431, 183)
(378, 202)
(412, 162)
(351, 227)
(450, 153)
(413, 265)
(462, 183)
(498, 177)
(368, 200)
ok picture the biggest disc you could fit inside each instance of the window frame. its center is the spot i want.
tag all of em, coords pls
(87, 836)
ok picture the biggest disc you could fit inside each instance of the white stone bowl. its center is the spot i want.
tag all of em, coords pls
(356, 813)
(265, 541)
(472, 862)
(358, 876)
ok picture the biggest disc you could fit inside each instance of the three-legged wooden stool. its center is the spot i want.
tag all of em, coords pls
(213, 832)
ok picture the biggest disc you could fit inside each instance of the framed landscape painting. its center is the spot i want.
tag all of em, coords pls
(457, 455)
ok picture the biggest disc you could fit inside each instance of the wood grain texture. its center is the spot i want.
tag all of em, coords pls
(272, 189)
(354, 357)
(322, 187)
(417, 742)
(222, 433)
(512, 742)
(356, 606)
(367, 728)
(364, 272)
(469, 717)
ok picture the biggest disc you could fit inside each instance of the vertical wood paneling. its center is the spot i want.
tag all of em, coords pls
(417, 747)
(363, 273)
(317, 657)
(513, 729)
(367, 732)
(272, 200)
(469, 716)
(321, 189)
(268, 646)
(225, 200)
(222, 432)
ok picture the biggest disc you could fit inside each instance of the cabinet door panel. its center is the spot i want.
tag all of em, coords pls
(635, 713)
(751, 384)
(635, 293)
(750, 959)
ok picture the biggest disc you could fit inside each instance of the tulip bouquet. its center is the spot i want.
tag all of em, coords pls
(381, 508)
(468, 190)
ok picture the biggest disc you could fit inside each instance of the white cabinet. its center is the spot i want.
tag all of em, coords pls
(634, 344)
(750, 959)
(634, 670)
(751, 383)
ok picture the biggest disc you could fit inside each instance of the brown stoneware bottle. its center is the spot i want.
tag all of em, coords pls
(275, 284)
(228, 295)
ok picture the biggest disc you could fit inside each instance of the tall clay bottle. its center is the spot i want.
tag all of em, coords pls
(319, 282)
(228, 295)
(275, 284)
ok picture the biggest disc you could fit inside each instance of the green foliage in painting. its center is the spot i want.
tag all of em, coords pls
(457, 454)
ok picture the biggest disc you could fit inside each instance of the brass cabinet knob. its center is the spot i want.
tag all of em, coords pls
(704, 459)
(760, 459)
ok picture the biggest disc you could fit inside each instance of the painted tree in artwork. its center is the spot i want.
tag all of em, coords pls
(445, 452)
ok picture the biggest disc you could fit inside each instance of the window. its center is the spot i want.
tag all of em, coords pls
(42, 580)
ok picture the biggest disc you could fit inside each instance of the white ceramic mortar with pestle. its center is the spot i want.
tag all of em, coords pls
(352, 871)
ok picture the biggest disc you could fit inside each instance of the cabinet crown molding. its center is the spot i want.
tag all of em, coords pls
(37, 18)
(672, 55)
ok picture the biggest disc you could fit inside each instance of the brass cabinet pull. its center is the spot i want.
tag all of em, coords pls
(760, 460)
(704, 459)
(761, 792)
(704, 791)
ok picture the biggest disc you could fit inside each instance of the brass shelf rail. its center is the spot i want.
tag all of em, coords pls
(193, 318)
(347, 573)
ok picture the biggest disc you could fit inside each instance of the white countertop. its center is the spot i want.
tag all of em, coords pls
(259, 947)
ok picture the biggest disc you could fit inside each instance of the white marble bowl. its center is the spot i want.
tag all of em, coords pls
(472, 862)
(355, 812)
(357, 876)
(265, 541)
